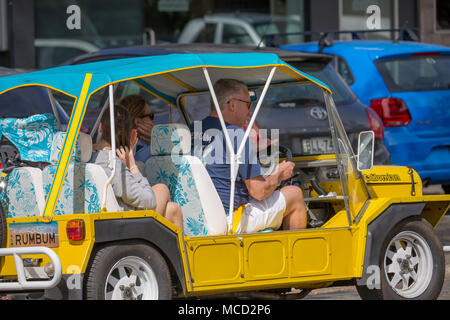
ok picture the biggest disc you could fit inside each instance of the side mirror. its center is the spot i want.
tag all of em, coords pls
(366, 142)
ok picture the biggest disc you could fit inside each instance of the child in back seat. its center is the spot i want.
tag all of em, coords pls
(132, 190)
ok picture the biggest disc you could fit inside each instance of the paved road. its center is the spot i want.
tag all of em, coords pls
(349, 293)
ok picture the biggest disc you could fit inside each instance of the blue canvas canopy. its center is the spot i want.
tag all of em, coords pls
(158, 73)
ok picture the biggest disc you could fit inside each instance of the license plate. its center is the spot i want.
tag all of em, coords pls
(319, 145)
(34, 234)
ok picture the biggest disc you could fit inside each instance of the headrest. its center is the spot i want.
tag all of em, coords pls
(170, 139)
(82, 151)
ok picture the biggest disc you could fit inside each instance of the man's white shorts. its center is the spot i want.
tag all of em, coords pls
(262, 214)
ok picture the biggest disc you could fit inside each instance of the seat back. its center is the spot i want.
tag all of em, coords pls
(82, 189)
(24, 196)
(187, 179)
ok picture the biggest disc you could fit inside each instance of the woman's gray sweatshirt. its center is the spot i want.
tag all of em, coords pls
(133, 191)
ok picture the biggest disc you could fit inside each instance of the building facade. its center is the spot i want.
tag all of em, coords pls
(44, 33)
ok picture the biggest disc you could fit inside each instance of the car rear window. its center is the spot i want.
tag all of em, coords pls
(416, 73)
(326, 73)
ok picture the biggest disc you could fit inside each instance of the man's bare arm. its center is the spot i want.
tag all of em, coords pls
(260, 187)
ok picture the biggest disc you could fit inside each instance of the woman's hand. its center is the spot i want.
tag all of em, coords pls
(126, 155)
(144, 130)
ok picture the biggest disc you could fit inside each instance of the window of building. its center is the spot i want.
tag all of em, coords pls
(442, 15)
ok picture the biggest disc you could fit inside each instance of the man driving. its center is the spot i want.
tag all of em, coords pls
(256, 197)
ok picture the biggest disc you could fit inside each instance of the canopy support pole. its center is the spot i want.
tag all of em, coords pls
(112, 153)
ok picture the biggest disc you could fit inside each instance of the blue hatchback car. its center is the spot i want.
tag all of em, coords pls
(408, 85)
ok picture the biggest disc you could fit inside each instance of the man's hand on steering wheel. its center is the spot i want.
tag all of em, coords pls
(285, 170)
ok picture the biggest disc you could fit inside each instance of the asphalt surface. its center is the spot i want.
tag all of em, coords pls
(349, 293)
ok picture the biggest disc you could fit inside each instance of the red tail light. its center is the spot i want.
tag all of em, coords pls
(392, 111)
(75, 230)
(376, 125)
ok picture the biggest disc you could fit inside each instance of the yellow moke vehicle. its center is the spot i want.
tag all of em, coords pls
(63, 233)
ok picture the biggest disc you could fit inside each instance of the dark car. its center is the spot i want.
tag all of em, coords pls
(297, 112)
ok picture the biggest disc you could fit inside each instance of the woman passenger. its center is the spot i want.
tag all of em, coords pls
(131, 188)
(142, 118)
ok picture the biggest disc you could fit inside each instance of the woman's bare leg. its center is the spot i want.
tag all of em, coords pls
(162, 195)
(165, 207)
(174, 214)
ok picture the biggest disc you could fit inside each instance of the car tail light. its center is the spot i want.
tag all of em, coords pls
(376, 125)
(418, 54)
(392, 111)
(75, 229)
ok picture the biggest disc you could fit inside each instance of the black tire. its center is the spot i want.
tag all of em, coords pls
(128, 271)
(413, 255)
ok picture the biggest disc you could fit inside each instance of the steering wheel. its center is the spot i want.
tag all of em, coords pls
(286, 152)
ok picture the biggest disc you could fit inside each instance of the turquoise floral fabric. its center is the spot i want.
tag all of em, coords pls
(33, 136)
(175, 172)
(20, 197)
(169, 168)
(58, 140)
(79, 193)
(168, 139)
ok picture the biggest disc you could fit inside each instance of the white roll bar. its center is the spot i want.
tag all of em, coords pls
(112, 154)
(22, 283)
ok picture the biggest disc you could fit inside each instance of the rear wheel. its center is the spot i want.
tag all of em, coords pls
(412, 264)
(128, 272)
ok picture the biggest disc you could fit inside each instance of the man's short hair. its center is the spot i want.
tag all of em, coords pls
(225, 89)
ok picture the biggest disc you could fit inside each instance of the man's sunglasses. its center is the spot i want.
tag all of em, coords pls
(151, 115)
(249, 103)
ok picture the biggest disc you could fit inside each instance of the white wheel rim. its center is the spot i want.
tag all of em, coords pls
(408, 264)
(131, 278)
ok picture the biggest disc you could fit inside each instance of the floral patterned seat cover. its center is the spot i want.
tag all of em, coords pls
(187, 179)
(83, 185)
(33, 137)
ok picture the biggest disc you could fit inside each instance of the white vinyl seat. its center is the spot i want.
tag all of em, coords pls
(187, 179)
(82, 189)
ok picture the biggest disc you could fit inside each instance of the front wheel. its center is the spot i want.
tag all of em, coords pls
(412, 264)
(128, 271)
